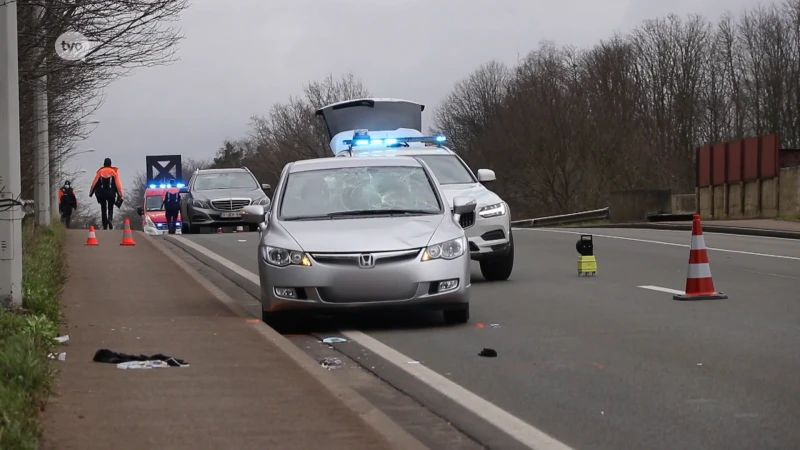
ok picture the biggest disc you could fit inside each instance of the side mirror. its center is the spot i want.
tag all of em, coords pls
(139, 211)
(463, 205)
(184, 190)
(486, 175)
(265, 187)
(254, 214)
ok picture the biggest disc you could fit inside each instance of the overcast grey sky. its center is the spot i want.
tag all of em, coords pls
(241, 56)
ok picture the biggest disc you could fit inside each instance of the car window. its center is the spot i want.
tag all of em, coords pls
(153, 203)
(225, 180)
(448, 169)
(322, 192)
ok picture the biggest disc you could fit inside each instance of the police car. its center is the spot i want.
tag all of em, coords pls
(154, 219)
(488, 229)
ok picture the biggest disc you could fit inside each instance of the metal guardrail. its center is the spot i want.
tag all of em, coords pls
(583, 216)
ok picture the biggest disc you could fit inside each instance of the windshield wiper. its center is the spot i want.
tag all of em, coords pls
(381, 212)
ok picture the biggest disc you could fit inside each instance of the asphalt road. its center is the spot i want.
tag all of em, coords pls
(601, 363)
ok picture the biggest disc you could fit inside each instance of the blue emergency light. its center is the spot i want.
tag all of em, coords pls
(361, 138)
(164, 186)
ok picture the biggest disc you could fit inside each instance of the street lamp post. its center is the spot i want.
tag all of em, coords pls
(11, 213)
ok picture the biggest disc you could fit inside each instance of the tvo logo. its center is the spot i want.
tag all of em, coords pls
(73, 46)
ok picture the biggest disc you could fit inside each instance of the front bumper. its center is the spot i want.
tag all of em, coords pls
(489, 236)
(160, 228)
(209, 217)
(331, 287)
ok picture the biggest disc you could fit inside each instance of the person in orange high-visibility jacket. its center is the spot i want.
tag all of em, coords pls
(67, 203)
(107, 188)
(171, 202)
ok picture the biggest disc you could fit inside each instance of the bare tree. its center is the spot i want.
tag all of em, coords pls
(125, 35)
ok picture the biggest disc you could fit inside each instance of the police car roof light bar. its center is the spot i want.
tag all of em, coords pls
(364, 139)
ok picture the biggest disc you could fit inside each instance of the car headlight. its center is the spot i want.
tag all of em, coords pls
(262, 201)
(149, 221)
(495, 210)
(282, 257)
(451, 249)
(200, 204)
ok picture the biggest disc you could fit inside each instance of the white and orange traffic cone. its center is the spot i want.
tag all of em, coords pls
(92, 239)
(699, 283)
(127, 235)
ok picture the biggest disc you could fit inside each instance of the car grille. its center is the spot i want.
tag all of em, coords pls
(351, 259)
(467, 220)
(230, 204)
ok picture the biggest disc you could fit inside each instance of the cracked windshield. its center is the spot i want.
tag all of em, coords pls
(321, 193)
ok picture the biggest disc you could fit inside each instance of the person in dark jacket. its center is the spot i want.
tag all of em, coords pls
(67, 203)
(107, 188)
(171, 202)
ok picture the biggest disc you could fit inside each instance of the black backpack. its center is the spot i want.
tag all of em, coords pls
(173, 199)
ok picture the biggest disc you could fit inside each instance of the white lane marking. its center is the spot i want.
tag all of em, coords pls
(663, 289)
(733, 235)
(648, 241)
(511, 425)
(241, 271)
(525, 433)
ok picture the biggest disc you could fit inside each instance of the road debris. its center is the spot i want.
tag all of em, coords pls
(495, 325)
(331, 363)
(107, 356)
(143, 365)
(413, 362)
(488, 353)
(61, 356)
(62, 339)
(333, 340)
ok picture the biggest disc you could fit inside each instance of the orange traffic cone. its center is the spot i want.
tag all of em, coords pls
(127, 235)
(699, 284)
(92, 239)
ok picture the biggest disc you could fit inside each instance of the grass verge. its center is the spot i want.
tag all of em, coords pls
(27, 336)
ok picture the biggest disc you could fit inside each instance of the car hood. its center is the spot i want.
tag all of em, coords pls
(476, 191)
(363, 234)
(221, 194)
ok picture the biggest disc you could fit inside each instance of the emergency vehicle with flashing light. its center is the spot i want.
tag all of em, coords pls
(392, 127)
(154, 219)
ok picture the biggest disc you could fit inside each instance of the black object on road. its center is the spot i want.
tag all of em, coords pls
(488, 353)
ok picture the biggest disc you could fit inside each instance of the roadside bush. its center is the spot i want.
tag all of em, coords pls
(27, 336)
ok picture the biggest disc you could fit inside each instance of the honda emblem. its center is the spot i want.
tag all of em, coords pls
(366, 261)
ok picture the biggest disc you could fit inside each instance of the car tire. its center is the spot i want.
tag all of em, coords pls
(253, 227)
(184, 229)
(194, 229)
(456, 316)
(499, 268)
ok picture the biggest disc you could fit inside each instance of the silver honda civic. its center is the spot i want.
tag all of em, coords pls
(356, 233)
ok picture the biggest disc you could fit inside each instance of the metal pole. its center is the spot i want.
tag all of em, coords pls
(42, 168)
(10, 182)
(56, 181)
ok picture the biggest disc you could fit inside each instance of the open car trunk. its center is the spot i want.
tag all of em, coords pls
(371, 114)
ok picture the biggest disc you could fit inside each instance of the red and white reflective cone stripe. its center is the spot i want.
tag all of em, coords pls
(699, 282)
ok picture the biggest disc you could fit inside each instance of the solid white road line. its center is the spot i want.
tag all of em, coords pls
(663, 289)
(525, 433)
(648, 241)
(530, 436)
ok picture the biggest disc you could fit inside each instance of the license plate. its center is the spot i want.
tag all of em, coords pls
(231, 214)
